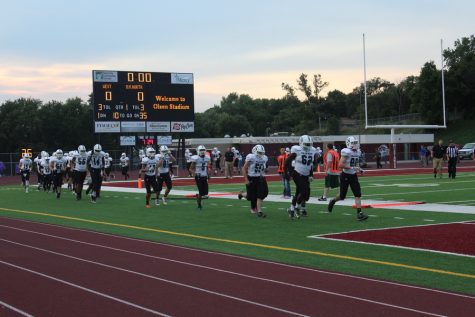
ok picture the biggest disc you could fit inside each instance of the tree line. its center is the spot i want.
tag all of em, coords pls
(30, 122)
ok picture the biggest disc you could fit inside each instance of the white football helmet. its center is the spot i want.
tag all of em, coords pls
(201, 150)
(187, 151)
(71, 153)
(150, 152)
(59, 153)
(215, 149)
(44, 154)
(305, 141)
(352, 143)
(123, 155)
(258, 150)
(164, 150)
(106, 155)
(97, 148)
(82, 149)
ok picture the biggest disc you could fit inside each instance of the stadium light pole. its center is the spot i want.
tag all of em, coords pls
(443, 83)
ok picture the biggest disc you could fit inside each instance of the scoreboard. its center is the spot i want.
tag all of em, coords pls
(129, 101)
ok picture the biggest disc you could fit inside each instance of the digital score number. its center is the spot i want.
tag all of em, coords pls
(142, 96)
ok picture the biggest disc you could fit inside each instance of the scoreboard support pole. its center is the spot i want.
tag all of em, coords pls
(181, 152)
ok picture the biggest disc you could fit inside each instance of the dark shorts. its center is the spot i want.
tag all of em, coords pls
(79, 177)
(96, 178)
(164, 178)
(236, 163)
(151, 183)
(107, 170)
(332, 181)
(349, 180)
(217, 164)
(125, 170)
(202, 184)
(302, 185)
(257, 188)
(58, 179)
(25, 175)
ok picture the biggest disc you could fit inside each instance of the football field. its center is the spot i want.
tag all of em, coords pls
(436, 247)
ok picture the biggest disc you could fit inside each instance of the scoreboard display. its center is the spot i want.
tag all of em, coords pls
(129, 101)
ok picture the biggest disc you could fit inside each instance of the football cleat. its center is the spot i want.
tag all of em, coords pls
(331, 204)
(157, 202)
(322, 199)
(361, 216)
(304, 213)
(291, 213)
(261, 214)
(297, 213)
(240, 195)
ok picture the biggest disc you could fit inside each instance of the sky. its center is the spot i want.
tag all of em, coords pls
(48, 48)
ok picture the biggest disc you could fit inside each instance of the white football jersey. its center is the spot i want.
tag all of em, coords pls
(150, 166)
(124, 161)
(353, 158)
(107, 162)
(26, 164)
(96, 159)
(59, 164)
(304, 159)
(80, 162)
(215, 155)
(45, 166)
(257, 164)
(201, 164)
(167, 161)
(188, 157)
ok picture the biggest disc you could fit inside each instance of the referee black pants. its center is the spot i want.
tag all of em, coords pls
(452, 167)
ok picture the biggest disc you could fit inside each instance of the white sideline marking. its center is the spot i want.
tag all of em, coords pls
(432, 207)
(223, 271)
(16, 310)
(399, 218)
(308, 269)
(429, 220)
(85, 288)
(154, 278)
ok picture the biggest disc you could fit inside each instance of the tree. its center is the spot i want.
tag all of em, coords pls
(318, 85)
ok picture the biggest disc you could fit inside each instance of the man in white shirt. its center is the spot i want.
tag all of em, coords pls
(199, 167)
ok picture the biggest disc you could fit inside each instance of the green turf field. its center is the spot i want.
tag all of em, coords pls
(226, 225)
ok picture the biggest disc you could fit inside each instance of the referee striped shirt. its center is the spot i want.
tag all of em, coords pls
(452, 152)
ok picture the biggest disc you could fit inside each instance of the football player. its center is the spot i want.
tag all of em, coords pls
(216, 158)
(200, 165)
(107, 166)
(149, 169)
(69, 170)
(57, 165)
(46, 171)
(350, 165)
(302, 174)
(79, 167)
(124, 164)
(39, 170)
(96, 164)
(254, 179)
(188, 156)
(165, 160)
(26, 165)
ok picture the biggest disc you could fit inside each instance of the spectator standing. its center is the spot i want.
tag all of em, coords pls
(378, 158)
(438, 155)
(423, 155)
(284, 153)
(453, 158)
(331, 160)
(228, 163)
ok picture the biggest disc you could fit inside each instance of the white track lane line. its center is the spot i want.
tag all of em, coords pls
(222, 271)
(308, 269)
(16, 310)
(158, 279)
(84, 288)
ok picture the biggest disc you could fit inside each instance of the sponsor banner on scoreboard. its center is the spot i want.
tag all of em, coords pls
(105, 76)
(158, 126)
(182, 78)
(164, 140)
(132, 126)
(106, 126)
(182, 126)
(126, 140)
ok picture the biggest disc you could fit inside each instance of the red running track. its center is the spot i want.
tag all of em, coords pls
(58, 271)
